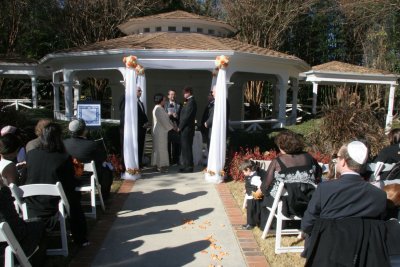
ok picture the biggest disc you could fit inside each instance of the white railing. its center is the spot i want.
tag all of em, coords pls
(25, 103)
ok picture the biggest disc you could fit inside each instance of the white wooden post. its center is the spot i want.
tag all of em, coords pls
(34, 91)
(68, 94)
(283, 87)
(77, 95)
(389, 117)
(314, 99)
(295, 92)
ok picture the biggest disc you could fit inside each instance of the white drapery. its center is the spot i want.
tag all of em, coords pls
(130, 127)
(216, 155)
(141, 82)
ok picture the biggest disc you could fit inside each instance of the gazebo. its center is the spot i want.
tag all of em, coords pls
(15, 67)
(336, 73)
(176, 49)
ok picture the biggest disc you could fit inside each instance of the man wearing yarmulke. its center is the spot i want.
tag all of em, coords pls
(86, 150)
(346, 211)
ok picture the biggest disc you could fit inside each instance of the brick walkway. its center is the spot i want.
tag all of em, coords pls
(253, 255)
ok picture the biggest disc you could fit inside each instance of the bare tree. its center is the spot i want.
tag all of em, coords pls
(263, 23)
(97, 20)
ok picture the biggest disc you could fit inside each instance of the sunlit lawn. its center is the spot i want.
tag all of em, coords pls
(267, 246)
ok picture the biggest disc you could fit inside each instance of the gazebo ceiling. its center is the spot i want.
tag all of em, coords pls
(181, 41)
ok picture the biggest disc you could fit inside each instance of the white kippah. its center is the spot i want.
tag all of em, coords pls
(8, 129)
(357, 152)
(76, 125)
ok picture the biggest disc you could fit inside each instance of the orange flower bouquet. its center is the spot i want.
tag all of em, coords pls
(130, 61)
(221, 62)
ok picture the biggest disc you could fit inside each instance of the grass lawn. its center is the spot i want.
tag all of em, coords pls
(267, 245)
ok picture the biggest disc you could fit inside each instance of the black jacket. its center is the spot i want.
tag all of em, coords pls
(188, 115)
(350, 242)
(348, 196)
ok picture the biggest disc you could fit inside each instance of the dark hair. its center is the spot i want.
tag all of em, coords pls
(50, 139)
(289, 142)
(247, 164)
(158, 98)
(188, 89)
(394, 136)
(171, 90)
(9, 143)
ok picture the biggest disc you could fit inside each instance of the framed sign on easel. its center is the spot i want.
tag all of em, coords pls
(90, 112)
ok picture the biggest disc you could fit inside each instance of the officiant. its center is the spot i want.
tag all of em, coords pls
(173, 108)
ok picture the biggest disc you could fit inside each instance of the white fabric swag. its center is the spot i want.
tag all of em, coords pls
(130, 127)
(216, 155)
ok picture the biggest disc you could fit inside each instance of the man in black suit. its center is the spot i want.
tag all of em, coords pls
(143, 123)
(142, 126)
(173, 108)
(86, 150)
(187, 128)
(348, 196)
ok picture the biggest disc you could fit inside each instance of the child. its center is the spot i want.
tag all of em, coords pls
(253, 201)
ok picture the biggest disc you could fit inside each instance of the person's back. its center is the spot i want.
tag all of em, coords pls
(48, 168)
(48, 164)
(350, 196)
(29, 234)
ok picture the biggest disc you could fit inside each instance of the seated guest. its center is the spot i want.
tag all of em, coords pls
(35, 143)
(391, 153)
(9, 145)
(348, 197)
(293, 167)
(86, 150)
(21, 155)
(30, 234)
(49, 164)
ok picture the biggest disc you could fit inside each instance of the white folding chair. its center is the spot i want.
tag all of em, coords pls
(276, 211)
(93, 188)
(13, 247)
(24, 191)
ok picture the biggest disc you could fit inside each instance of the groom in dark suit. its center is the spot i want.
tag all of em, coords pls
(143, 123)
(187, 128)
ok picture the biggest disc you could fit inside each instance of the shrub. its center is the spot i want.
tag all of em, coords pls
(236, 158)
(342, 124)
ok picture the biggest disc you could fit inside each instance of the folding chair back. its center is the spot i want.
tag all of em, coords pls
(31, 190)
(93, 188)
(13, 247)
(276, 212)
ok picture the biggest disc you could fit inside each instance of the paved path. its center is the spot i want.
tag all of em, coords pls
(175, 219)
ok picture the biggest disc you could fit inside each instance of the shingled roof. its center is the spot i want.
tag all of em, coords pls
(337, 66)
(180, 41)
(173, 15)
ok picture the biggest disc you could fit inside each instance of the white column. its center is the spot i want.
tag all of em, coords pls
(283, 87)
(314, 99)
(275, 103)
(77, 95)
(389, 117)
(56, 95)
(34, 91)
(295, 92)
(68, 94)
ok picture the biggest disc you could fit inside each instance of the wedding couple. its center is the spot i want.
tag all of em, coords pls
(173, 126)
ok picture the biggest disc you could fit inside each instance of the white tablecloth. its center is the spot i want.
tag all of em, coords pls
(197, 148)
